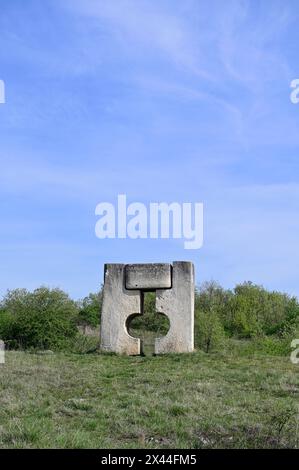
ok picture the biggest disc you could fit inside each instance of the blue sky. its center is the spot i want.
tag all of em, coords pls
(161, 100)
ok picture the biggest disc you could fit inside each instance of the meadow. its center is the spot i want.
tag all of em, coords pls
(239, 389)
(199, 400)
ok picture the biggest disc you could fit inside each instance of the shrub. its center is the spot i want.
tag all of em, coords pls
(246, 310)
(44, 318)
(274, 346)
(290, 323)
(210, 315)
(209, 330)
(7, 328)
(255, 312)
(211, 297)
(89, 310)
(266, 346)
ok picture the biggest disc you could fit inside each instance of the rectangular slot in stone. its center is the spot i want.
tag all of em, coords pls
(148, 276)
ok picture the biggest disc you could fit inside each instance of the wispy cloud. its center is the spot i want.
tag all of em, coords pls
(140, 26)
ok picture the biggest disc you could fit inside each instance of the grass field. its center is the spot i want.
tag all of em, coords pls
(176, 401)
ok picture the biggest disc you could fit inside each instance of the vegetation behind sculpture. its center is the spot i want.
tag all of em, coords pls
(250, 315)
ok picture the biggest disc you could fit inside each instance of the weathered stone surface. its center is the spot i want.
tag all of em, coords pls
(178, 304)
(174, 287)
(148, 276)
(118, 305)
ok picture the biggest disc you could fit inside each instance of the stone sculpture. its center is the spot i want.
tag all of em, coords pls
(124, 287)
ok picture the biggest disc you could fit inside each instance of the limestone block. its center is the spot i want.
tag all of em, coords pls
(148, 276)
(123, 294)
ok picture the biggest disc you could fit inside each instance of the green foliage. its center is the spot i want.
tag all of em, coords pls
(211, 297)
(274, 346)
(246, 311)
(264, 346)
(5, 321)
(44, 318)
(6, 325)
(255, 312)
(210, 307)
(269, 319)
(290, 322)
(210, 332)
(263, 322)
(89, 310)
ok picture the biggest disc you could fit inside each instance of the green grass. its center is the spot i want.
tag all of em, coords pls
(175, 401)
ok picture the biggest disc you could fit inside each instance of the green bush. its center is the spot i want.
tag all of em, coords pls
(43, 319)
(210, 315)
(7, 329)
(266, 346)
(253, 312)
(247, 310)
(269, 319)
(211, 297)
(89, 310)
(5, 323)
(274, 346)
(209, 332)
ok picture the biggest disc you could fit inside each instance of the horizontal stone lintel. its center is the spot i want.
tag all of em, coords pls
(148, 276)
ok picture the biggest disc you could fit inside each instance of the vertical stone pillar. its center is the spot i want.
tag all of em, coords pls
(118, 305)
(178, 304)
